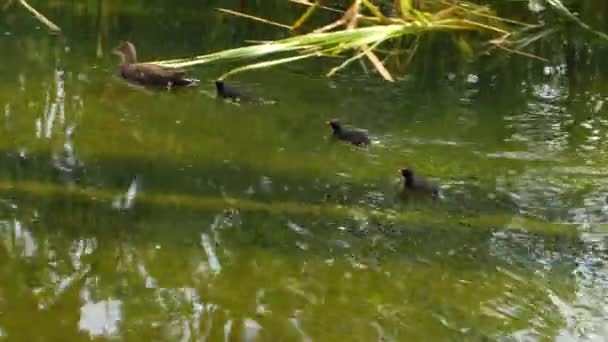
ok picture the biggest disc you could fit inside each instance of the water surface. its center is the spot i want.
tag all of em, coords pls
(137, 215)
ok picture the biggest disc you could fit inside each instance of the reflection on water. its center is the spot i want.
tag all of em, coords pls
(99, 318)
(171, 216)
(250, 282)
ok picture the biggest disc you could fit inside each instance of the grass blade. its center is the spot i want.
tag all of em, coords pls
(267, 64)
(40, 17)
(304, 17)
(559, 6)
(252, 17)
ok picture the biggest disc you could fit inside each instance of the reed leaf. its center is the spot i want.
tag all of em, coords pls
(356, 30)
(253, 17)
(330, 41)
(304, 17)
(267, 64)
(48, 23)
(406, 6)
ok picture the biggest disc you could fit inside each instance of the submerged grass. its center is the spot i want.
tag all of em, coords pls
(494, 221)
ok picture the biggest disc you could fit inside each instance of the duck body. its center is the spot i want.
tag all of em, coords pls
(416, 183)
(156, 76)
(149, 74)
(355, 136)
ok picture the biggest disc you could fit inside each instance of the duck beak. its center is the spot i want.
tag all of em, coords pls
(328, 122)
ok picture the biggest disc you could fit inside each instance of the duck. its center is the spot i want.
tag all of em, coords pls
(149, 74)
(228, 92)
(416, 183)
(355, 136)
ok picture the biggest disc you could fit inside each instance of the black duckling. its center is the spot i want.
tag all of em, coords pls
(353, 135)
(228, 92)
(149, 74)
(417, 183)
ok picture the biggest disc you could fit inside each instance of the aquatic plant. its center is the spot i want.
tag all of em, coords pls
(383, 31)
(39, 16)
(371, 31)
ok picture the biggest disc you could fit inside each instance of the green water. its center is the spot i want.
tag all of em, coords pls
(155, 216)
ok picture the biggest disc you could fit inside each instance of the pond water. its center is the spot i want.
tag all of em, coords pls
(148, 216)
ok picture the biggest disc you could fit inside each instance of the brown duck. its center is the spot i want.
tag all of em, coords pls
(149, 74)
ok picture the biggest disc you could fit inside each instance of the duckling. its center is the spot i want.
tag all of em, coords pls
(355, 136)
(229, 92)
(417, 183)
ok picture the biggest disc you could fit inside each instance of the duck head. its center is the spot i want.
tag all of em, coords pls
(407, 173)
(219, 85)
(335, 125)
(127, 53)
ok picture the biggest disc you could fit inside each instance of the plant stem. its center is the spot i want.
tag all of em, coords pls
(40, 17)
